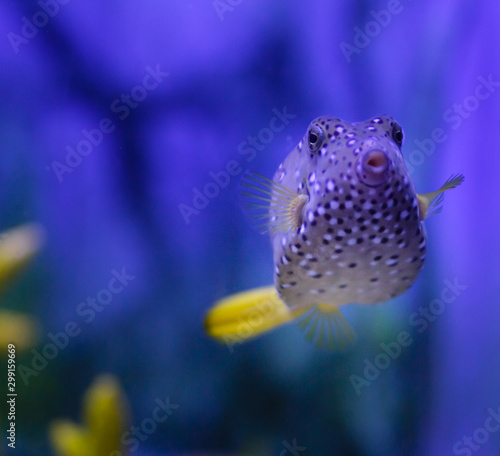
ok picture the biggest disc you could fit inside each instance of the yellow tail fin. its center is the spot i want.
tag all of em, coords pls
(248, 314)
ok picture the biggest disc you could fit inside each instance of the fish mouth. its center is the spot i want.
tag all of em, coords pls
(373, 167)
(376, 161)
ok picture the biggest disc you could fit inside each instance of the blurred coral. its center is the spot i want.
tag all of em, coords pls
(105, 416)
(17, 247)
(18, 328)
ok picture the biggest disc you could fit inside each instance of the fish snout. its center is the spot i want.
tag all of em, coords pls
(373, 167)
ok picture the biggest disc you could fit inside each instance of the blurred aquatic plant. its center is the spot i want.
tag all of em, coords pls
(18, 328)
(17, 247)
(105, 416)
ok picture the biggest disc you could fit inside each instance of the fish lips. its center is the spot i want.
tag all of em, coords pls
(374, 165)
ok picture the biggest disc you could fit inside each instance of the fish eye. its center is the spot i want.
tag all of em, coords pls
(316, 137)
(397, 135)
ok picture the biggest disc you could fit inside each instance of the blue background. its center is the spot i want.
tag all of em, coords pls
(119, 208)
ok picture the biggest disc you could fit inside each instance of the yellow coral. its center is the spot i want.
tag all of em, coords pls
(17, 248)
(105, 417)
(68, 439)
(18, 329)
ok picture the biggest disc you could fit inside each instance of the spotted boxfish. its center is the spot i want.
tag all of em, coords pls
(346, 226)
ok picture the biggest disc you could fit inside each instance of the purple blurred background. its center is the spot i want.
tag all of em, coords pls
(116, 113)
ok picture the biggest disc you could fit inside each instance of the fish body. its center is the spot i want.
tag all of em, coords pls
(360, 240)
(346, 227)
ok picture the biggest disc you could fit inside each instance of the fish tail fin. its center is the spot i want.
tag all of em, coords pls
(326, 327)
(432, 203)
(246, 315)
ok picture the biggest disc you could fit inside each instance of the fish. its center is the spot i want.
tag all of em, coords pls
(346, 226)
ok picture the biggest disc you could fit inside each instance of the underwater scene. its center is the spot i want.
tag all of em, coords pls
(249, 228)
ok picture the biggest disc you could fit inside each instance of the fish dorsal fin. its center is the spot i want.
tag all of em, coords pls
(326, 327)
(269, 205)
(432, 203)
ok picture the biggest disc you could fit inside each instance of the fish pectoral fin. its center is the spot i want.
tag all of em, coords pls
(432, 203)
(269, 205)
(246, 315)
(326, 327)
